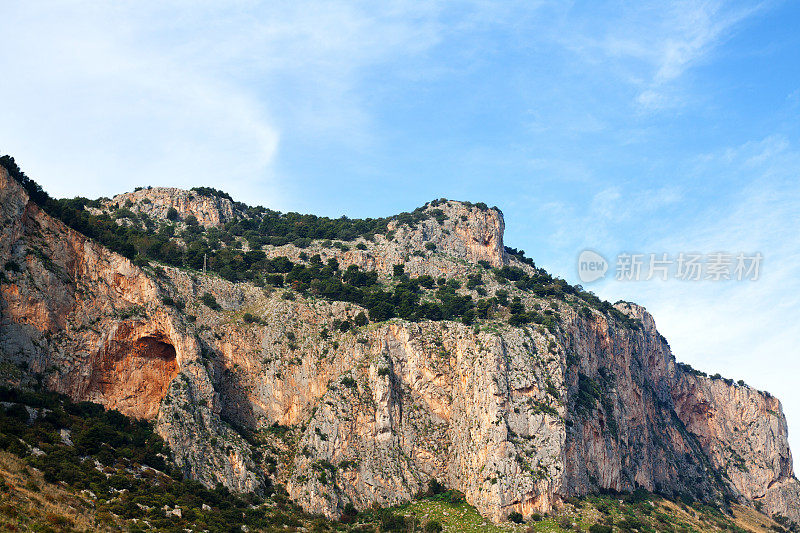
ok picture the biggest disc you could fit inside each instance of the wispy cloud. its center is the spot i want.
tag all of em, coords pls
(89, 102)
(650, 46)
(125, 94)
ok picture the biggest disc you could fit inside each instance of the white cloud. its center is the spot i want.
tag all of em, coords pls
(117, 95)
(87, 102)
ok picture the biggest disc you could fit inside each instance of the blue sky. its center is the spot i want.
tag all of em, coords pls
(622, 127)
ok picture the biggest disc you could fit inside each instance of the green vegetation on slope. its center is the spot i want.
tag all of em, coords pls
(258, 225)
(421, 298)
(122, 466)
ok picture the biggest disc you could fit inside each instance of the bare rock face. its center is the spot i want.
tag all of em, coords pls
(133, 369)
(743, 433)
(517, 418)
(448, 243)
(155, 202)
(429, 403)
(623, 433)
(459, 230)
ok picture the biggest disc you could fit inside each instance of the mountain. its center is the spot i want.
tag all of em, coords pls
(356, 362)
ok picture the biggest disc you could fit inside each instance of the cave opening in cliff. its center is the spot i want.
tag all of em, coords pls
(133, 375)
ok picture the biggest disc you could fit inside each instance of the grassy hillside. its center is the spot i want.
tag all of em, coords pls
(630, 512)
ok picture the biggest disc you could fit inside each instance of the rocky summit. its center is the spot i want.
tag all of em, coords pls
(354, 362)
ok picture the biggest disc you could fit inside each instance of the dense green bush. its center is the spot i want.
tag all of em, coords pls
(588, 393)
(211, 192)
(209, 301)
(434, 526)
(360, 319)
(391, 522)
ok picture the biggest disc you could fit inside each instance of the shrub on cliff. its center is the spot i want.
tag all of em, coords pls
(434, 526)
(393, 522)
(251, 318)
(474, 280)
(33, 189)
(212, 192)
(381, 311)
(209, 301)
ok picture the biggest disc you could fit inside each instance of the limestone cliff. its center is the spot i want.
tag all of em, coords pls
(517, 418)
(448, 246)
(155, 202)
(92, 325)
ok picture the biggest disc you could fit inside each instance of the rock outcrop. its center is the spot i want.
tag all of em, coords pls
(517, 418)
(743, 433)
(448, 243)
(155, 202)
(462, 231)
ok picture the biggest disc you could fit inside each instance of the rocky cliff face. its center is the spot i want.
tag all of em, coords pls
(156, 202)
(743, 433)
(448, 246)
(92, 325)
(515, 417)
(672, 430)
